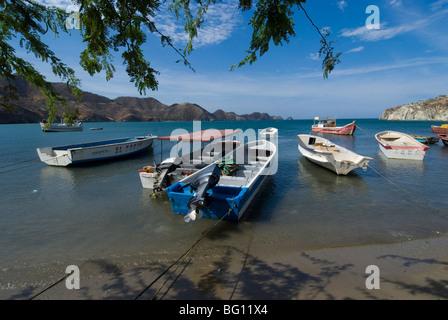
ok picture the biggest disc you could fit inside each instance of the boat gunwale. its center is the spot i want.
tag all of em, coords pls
(249, 182)
(416, 144)
(105, 143)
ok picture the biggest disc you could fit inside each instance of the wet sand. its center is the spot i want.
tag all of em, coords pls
(415, 269)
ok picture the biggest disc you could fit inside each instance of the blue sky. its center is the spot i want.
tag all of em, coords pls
(403, 61)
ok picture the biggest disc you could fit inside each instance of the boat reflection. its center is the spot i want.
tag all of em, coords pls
(386, 164)
(324, 184)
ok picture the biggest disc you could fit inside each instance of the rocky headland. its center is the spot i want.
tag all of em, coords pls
(31, 108)
(429, 110)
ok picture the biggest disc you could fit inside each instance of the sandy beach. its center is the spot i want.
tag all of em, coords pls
(415, 269)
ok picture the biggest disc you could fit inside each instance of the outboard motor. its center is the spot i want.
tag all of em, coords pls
(163, 169)
(205, 181)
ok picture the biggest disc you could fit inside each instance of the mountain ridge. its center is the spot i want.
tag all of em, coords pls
(31, 107)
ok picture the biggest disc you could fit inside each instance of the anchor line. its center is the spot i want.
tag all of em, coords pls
(16, 164)
(246, 258)
(48, 288)
(404, 190)
(358, 127)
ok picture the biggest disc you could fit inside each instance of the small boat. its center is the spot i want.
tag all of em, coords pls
(329, 155)
(94, 151)
(175, 167)
(328, 125)
(425, 140)
(98, 128)
(60, 127)
(444, 138)
(397, 145)
(213, 192)
(443, 129)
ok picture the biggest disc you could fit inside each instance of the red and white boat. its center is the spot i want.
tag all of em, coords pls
(443, 129)
(397, 145)
(328, 125)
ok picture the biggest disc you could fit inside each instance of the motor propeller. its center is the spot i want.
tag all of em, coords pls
(206, 180)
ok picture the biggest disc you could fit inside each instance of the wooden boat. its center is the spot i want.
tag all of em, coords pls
(397, 145)
(60, 127)
(329, 155)
(443, 129)
(425, 140)
(175, 167)
(328, 125)
(211, 193)
(444, 138)
(94, 151)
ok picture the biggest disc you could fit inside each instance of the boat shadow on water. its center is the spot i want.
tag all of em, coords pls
(324, 183)
(384, 163)
(98, 172)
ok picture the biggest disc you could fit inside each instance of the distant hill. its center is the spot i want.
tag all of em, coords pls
(31, 108)
(429, 110)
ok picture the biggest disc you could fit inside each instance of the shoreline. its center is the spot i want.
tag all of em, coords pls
(411, 270)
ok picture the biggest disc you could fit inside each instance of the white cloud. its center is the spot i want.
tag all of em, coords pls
(384, 33)
(342, 4)
(56, 3)
(405, 64)
(357, 49)
(438, 5)
(221, 20)
(395, 3)
(314, 56)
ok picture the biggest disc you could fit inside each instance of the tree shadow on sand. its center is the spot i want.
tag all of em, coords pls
(236, 275)
(231, 273)
(432, 287)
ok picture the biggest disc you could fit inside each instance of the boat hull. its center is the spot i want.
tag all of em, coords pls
(341, 162)
(61, 127)
(402, 154)
(233, 195)
(397, 145)
(348, 129)
(94, 151)
(226, 202)
(439, 129)
(444, 139)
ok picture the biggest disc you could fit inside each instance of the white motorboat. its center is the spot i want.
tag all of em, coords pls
(329, 155)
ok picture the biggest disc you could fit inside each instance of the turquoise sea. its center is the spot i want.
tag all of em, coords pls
(98, 214)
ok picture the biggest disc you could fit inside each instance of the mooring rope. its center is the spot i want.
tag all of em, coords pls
(16, 164)
(358, 127)
(404, 190)
(182, 257)
(246, 258)
(48, 288)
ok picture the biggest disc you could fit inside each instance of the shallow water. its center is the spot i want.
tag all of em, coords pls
(51, 217)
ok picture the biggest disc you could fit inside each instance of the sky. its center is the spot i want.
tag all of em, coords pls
(395, 54)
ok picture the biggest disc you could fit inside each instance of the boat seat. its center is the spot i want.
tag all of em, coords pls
(319, 147)
(232, 181)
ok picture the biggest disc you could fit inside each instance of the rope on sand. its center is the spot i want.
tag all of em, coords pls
(59, 281)
(179, 261)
